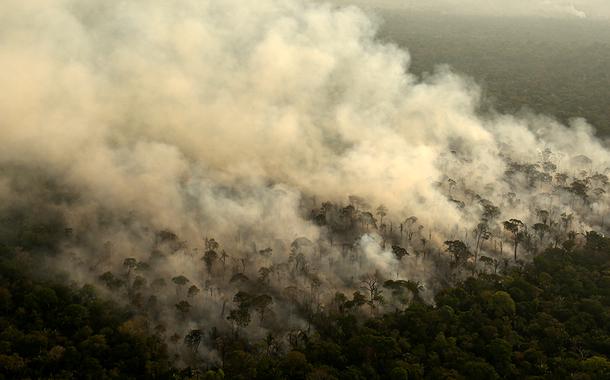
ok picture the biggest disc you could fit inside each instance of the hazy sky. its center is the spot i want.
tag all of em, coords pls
(594, 9)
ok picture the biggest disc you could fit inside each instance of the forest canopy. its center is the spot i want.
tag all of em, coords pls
(547, 319)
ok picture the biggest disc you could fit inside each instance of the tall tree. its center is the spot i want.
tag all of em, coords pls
(209, 258)
(482, 233)
(262, 304)
(193, 339)
(516, 228)
(370, 283)
(459, 250)
(180, 281)
(381, 211)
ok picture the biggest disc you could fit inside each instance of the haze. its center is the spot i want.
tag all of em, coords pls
(592, 9)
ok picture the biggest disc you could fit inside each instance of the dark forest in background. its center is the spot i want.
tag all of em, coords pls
(555, 67)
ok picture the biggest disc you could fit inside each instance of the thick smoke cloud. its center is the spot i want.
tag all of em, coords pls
(160, 124)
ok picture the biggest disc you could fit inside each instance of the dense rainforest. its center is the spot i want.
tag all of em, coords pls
(552, 66)
(549, 319)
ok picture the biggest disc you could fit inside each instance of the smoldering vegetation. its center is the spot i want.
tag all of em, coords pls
(232, 169)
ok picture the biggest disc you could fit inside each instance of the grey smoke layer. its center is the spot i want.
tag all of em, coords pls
(167, 124)
(579, 9)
